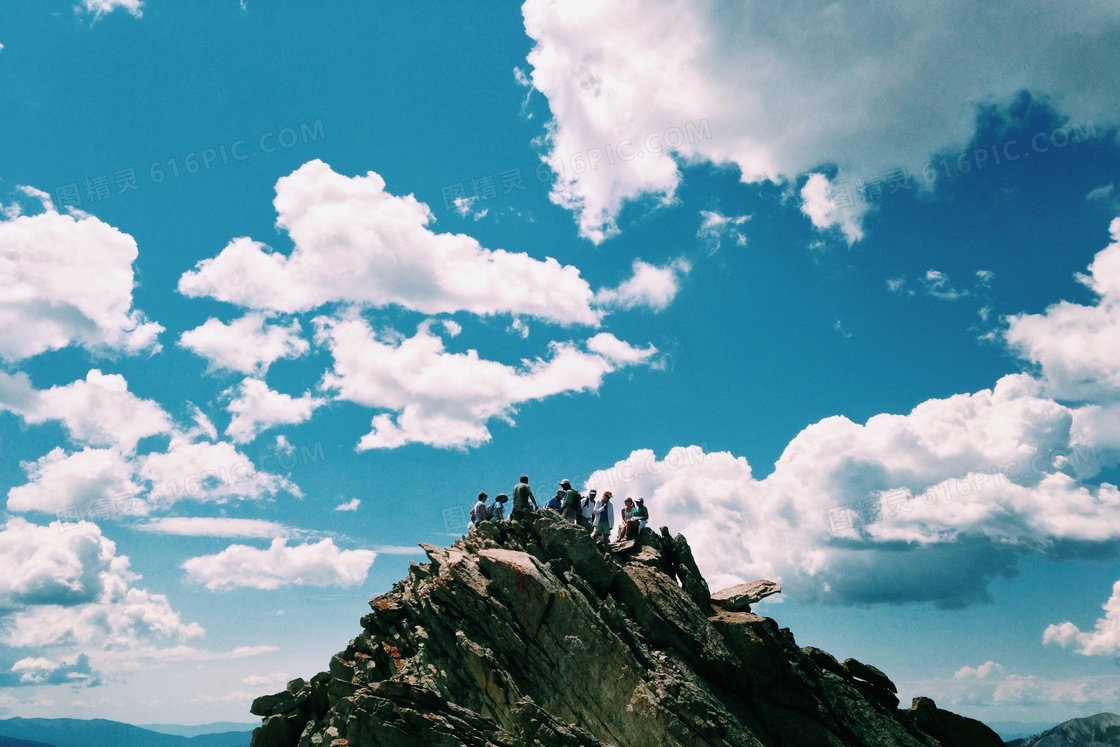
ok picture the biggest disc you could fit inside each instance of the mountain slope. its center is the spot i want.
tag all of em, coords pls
(527, 634)
(9, 742)
(64, 732)
(1101, 730)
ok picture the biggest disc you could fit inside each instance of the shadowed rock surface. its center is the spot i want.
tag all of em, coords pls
(538, 637)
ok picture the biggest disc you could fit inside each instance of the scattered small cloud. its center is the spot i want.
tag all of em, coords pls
(351, 505)
(715, 227)
(898, 285)
(937, 284)
(98, 8)
(650, 286)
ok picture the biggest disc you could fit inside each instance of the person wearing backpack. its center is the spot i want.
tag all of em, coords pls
(478, 513)
(602, 519)
(570, 505)
(523, 499)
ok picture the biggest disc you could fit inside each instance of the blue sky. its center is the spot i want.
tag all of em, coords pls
(284, 288)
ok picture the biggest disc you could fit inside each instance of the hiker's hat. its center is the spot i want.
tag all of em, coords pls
(565, 483)
(641, 500)
(593, 492)
(501, 497)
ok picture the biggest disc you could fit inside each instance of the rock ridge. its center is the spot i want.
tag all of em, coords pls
(527, 633)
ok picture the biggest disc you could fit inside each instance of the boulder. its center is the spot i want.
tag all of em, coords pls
(740, 597)
(869, 674)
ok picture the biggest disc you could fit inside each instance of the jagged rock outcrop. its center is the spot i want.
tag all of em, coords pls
(529, 634)
(740, 597)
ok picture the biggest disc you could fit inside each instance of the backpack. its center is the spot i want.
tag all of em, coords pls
(490, 510)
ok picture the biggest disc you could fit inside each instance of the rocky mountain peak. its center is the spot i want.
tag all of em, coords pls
(527, 633)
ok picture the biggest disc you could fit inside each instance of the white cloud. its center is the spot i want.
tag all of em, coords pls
(898, 285)
(390, 255)
(982, 672)
(272, 678)
(71, 591)
(1028, 692)
(937, 284)
(213, 527)
(1103, 640)
(1103, 192)
(715, 227)
(446, 399)
(320, 564)
(927, 506)
(351, 505)
(963, 486)
(99, 411)
(650, 286)
(207, 472)
(38, 670)
(236, 696)
(1075, 345)
(617, 351)
(824, 212)
(67, 279)
(784, 92)
(248, 345)
(257, 408)
(59, 479)
(100, 7)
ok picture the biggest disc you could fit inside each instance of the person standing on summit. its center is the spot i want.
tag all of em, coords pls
(570, 505)
(602, 520)
(523, 499)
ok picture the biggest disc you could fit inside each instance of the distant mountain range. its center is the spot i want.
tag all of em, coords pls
(67, 732)
(1101, 730)
(219, 727)
(1009, 730)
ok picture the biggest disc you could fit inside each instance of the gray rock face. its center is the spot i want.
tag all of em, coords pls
(740, 597)
(540, 638)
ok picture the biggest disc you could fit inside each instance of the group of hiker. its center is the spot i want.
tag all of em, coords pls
(592, 511)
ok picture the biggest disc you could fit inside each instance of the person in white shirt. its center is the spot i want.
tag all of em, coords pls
(602, 519)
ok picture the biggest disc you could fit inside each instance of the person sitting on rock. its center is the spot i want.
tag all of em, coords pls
(478, 513)
(523, 499)
(570, 507)
(641, 514)
(627, 512)
(498, 510)
(556, 502)
(638, 519)
(602, 520)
